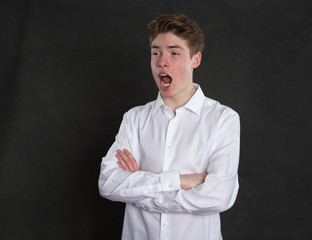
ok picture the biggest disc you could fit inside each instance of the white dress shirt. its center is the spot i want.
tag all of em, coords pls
(203, 136)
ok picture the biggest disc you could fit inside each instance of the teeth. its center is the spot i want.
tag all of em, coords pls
(165, 84)
(162, 82)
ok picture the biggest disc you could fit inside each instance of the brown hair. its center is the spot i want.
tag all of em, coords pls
(180, 25)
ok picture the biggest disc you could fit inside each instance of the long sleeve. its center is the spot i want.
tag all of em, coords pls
(201, 136)
(119, 185)
(220, 188)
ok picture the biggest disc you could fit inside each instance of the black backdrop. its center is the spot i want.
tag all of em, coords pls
(71, 68)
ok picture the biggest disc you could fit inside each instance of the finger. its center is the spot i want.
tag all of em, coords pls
(129, 160)
(122, 162)
(132, 160)
(126, 160)
(119, 165)
(119, 160)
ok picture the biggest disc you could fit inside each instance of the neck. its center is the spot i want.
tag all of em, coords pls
(179, 101)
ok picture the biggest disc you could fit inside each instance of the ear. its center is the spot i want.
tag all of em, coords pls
(196, 59)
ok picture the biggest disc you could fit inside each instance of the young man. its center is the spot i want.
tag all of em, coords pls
(175, 160)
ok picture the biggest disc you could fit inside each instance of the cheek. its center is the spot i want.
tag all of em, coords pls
(154, 71)
(153, 66)
(183, 70)
(188, 69)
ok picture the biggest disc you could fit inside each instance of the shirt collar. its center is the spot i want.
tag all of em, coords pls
(196, 101)
(194, 104)
(159, 102)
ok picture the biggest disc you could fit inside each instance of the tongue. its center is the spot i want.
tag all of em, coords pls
(166, 79)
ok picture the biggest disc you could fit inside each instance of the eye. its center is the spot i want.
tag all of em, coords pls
(175, 53)
(155, 53)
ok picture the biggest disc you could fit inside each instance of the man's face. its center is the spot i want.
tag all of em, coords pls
(172, 66)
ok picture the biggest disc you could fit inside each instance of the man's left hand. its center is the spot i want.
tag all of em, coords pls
(126, 161)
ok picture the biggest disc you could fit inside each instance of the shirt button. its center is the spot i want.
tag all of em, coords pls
(165, 224)
(165, 211)
(144, 189)
(169, 146)
(142, 206)
(170, 185)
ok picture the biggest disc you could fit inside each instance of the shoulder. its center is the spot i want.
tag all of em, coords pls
(139, 111)
(213, 108)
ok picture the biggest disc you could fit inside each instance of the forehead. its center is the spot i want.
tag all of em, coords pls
(165, 40)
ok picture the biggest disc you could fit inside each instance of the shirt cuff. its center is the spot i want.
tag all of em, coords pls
(170, 181)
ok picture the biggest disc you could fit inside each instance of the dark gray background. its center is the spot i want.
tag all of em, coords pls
(71, 68)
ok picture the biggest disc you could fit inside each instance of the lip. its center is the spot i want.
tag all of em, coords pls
(163, 74)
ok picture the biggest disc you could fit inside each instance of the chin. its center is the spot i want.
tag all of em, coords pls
(166, 94)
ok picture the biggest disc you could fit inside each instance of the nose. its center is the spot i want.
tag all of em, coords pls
(163, 61)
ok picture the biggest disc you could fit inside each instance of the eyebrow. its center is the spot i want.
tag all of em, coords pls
(170, 47)
(176, 46)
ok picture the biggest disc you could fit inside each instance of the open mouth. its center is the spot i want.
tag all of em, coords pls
(165, 79)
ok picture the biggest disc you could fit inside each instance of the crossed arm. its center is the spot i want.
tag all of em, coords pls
(201, 194)
(127, 162)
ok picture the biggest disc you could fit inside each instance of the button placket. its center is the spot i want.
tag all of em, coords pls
(171, 129)
(164, 228)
